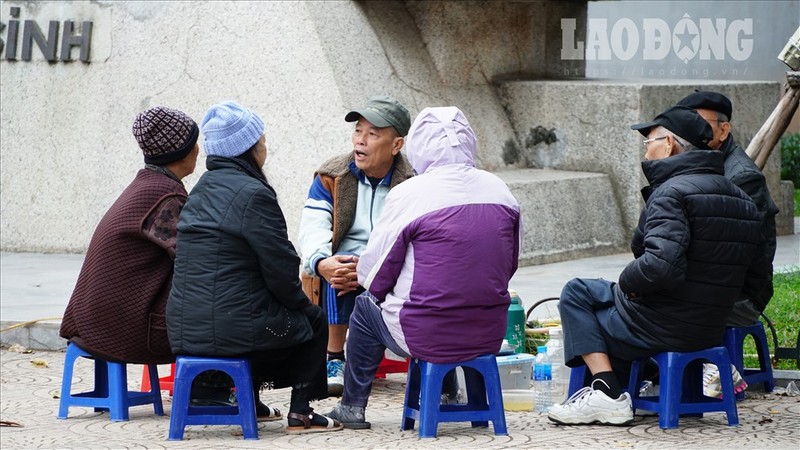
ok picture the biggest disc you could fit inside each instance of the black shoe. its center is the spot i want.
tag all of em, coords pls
(351, 416)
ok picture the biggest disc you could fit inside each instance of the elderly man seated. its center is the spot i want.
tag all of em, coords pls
(437, 264)
(697, 245)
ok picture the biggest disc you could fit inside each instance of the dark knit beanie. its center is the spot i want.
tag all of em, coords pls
(165, 135)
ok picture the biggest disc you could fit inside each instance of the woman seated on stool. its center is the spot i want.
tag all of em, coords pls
(236, 290)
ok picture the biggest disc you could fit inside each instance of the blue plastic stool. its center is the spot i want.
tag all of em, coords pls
(187, 368)
(734, 340)
(576, 379)
(424, 390)
(110, 388)
(681, 393)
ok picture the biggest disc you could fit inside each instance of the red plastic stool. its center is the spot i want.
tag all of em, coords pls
(392, 366)
(164, 382)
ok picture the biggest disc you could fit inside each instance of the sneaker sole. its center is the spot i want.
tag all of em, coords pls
(618, 421)
(357, 425)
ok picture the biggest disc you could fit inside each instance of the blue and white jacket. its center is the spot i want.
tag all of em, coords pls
(342, 208)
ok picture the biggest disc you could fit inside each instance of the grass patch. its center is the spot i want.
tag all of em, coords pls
(797, 202)
(784, 312)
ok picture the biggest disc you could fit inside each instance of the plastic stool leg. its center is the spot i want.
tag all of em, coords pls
(155, 389)
(430, 398)
(118, 392)
(180, 404)
(728, 400)
(476, 393)
(146, 375)
(411, 402)
(247, 406)
(494, 393)
(577, 377)
(670, 391)
(100, 383)
(66, 382)
(165, 383)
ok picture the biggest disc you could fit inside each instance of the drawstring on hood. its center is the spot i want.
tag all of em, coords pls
(439, 137)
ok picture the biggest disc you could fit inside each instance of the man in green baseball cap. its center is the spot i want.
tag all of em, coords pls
(344, 201)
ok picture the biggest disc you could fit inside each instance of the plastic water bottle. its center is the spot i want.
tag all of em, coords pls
(542, 380)
(555, 351)
(515, 330)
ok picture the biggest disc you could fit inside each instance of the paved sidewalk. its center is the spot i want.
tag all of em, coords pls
(36, 286)
(28, 391)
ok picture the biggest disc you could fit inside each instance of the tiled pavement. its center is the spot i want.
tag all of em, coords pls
(36, 286)
(28, 396)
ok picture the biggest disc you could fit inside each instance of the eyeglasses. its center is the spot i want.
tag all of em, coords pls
(647, 141)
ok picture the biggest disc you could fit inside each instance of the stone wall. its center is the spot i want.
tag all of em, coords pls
(590, 124)
(67, 150)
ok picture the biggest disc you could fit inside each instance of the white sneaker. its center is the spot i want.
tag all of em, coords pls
(712, 387)
(588, 406)
(335, 377)
(711, 383)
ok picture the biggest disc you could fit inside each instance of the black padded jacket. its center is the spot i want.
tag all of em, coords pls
(697, 246)
(236, 287)
(743, 172)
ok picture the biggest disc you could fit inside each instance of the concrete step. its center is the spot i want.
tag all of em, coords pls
(566, 215)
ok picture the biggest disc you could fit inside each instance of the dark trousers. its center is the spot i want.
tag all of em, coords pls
(592, 324)
(367, 341)
(300, 366)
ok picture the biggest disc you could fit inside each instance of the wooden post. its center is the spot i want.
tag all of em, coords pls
(770, 132)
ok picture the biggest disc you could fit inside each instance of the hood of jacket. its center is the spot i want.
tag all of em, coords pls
(439, 137)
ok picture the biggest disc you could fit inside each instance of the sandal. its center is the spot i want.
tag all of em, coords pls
(312, 423)
(266, 413)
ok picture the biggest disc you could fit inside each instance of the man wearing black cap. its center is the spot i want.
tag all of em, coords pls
(344, 201)
(117, 309)
(716, 109)
(696, 246)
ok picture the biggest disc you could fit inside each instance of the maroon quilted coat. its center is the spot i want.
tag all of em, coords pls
(116, 311)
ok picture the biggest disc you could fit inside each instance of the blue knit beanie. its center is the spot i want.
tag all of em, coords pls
(229, 129)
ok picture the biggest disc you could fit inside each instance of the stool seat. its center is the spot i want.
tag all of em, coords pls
(734, 342)
(110, 391)
(681, 393)
(187, 368)
(424, 389)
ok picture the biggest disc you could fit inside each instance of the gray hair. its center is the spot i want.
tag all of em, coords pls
(685, 145)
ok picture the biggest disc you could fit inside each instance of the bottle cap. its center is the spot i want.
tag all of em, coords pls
(541, 348)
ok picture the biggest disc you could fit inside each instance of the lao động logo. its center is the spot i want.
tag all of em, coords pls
(654, 39)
